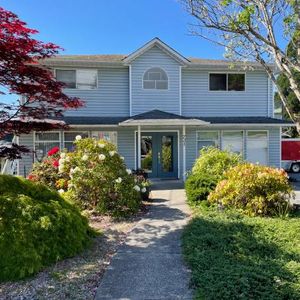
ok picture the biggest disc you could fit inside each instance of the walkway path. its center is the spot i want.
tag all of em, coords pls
(149, 265)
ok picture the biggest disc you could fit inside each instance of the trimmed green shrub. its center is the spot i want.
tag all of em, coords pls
(37, 228)
(255, 189)
(208, 169)
(99, 179)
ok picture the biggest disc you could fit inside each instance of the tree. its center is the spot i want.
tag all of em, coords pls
(252, 30)
(283, 82)
(21, 73)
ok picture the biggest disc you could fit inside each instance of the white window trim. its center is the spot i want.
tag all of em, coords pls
(114, 131)
(51, 141)
(156, 90)
(226, 91)
(268, 140)
(209, 130)
(243, 140)
(76, 88)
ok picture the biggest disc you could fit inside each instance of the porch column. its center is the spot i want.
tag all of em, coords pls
(183, 153)
(139, 151)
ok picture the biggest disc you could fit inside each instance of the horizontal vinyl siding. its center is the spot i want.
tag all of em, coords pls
(274, 148)
(110, 98)
(145, 99)
(25, 164)
(197, 100)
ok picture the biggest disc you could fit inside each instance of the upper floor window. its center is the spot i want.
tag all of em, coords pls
(226, 82)
(78, 79)
(155, 78)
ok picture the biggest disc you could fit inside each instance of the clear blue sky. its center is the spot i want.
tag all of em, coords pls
(111, 26)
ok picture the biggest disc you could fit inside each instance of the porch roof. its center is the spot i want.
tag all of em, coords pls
(158, 117)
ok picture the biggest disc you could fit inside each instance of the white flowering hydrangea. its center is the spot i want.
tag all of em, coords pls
(137, 188)
(85, 157)
(119, 180)
(61, 191)
(63, 155)
(112, 153)
(143, 190)
(78, 137)
(101, 145)
(128, 171)
(101, 156)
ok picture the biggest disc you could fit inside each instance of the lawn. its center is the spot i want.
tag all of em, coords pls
(233, 256)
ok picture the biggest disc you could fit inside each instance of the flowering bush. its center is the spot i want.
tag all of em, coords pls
(257, 190)
(208, 169)
(99, 179)
(47, 172)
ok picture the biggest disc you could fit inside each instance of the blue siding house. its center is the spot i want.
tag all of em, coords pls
(160, 108)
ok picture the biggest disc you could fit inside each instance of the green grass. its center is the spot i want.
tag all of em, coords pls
(238, 257)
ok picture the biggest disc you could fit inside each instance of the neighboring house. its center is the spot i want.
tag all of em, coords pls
(160, 108)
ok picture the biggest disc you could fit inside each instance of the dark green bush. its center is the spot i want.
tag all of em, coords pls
(37, 228)
(207, 171)
(198, 186)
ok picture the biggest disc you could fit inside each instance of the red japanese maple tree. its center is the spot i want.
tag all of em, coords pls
(22, 73)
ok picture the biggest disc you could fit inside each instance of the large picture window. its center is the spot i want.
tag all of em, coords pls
(257, 147)
(110, 136)
(226, 82)
(233, 141)
(206, 139)
(156, 79)
(69, 138)
(83, 79)
(44, 141)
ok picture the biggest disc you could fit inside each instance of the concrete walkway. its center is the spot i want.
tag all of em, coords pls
(149, 265)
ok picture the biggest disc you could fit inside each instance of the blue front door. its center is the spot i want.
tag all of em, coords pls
(159, 154)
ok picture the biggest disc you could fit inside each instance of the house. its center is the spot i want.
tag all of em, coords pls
(160, 108)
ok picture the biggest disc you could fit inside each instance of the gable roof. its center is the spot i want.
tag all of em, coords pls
(161, 45)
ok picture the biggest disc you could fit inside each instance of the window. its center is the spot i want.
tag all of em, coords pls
(68, 77)
(257, 147)
(155, 78)
(233, 141)
(207, 138)
(227, 82)
(69, 138)
(110, 136)
(44, 141)
(80, 79)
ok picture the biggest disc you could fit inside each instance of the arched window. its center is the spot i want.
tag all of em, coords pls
(155, 79)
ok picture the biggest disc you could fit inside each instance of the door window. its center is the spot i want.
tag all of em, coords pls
(167, 153)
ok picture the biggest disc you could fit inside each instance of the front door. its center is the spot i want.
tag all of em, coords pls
(159, 154)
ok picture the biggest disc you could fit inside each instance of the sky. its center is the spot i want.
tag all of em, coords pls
(111, 26)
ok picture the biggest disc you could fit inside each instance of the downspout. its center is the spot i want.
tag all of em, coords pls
(183, 153)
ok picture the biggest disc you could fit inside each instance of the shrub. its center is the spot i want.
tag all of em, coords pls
(37, 228)
(257, 190)
(208, 169)
(47, 171)
(99, 179)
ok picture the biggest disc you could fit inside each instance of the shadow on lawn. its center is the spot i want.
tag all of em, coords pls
(234, 260)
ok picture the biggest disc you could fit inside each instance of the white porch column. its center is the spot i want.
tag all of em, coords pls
(183, 153)
(139, 152)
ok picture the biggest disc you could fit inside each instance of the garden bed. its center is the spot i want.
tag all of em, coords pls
(77, 277)
(233, 256)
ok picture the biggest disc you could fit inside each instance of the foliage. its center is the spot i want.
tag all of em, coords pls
(208, 169)
(257, 190)
(233, 256)
(47, 171)
(94, 176)
(283, 83)
(99, 179)
(37, 228)
(21, 74)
